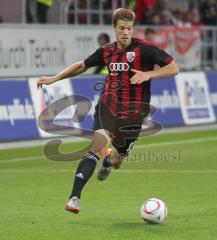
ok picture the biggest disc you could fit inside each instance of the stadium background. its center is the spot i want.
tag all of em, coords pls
(178, 164)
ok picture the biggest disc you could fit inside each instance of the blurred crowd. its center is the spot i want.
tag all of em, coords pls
(148, 12)
(158, 12)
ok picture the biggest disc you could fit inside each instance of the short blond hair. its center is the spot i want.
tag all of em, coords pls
(123, 14)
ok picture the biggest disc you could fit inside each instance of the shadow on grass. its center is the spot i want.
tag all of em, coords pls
(120, 226)
(137, 226)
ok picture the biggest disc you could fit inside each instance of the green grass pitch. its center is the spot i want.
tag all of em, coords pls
(180, 169)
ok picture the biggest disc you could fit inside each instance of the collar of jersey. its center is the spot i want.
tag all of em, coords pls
(124, 49)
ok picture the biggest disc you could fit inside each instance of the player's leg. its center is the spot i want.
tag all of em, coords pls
(106, 165)
(114, 157)
(86, 167)
(121, 152)
(123, 141)
(101, 140)
(111, 159)
(126, 135)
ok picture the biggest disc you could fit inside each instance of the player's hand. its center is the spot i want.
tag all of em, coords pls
(45, 81)
(140, 77)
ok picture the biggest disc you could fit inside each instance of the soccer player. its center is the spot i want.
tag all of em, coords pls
(124, 101)
(102, 39)
(150, 34)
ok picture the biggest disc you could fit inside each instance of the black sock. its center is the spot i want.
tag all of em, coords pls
(106, 162)
(84, 171)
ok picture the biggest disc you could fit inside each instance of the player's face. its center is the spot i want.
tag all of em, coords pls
(124, 32)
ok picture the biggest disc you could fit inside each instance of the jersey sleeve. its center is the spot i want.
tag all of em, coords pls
(157, 56)
(96, 59)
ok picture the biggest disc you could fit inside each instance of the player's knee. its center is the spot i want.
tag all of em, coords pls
(97, 149)
(100, 142)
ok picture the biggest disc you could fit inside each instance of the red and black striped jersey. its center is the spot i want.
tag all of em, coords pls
(119, 95)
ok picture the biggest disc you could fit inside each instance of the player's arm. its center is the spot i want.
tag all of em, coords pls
(96, 59)
(169, 70)
(155, 56)
(71, 71)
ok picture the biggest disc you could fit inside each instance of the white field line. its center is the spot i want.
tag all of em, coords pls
(197, 140)
(21, 159)
(189, 141)
(21, 170)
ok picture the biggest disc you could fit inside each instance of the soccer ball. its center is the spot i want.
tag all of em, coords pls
(153, 211)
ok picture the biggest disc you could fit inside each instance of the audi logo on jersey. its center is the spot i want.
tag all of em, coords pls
(115, 67)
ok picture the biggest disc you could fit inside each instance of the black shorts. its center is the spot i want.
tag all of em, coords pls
(124, 131)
